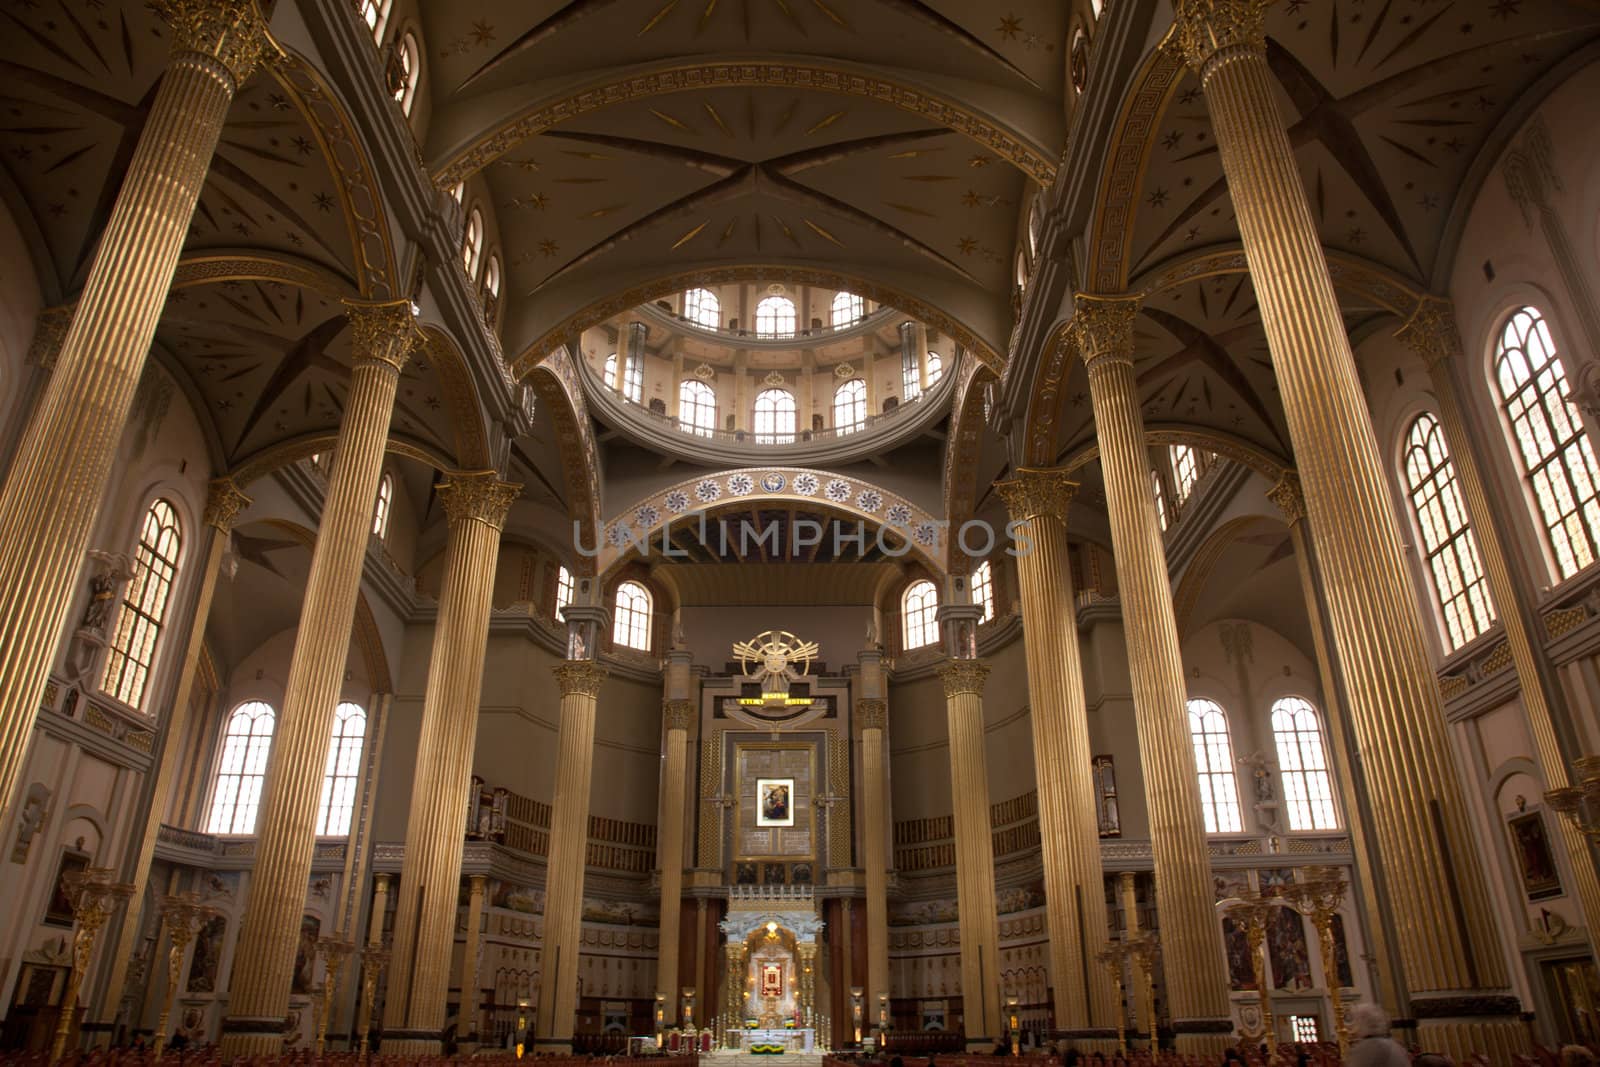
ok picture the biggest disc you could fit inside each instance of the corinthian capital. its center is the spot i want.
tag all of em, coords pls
(232, 32)
(1208, 28)
(1103, 327)
(963, 676)
(874, 713)
(1430, 332)
(479, 496)
(1287, 495)
(1038, 492)
(579, 677)
(223, 502)
(679, 714)
(384, 331)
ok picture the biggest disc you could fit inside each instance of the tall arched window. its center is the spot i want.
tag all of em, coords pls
(241, 769)
(564, 590)
(610, 374)
(775, 317)
(472, 243)
(697, 407)
(144, 605)
(631, 621)
(850, 406)
(701, 307)
(1213, 760)
(911, 381)
(935, 368)
(375, 13)
(405, 70)
(1551, 442)
(1452, 553)
(380, 511)
(633, 379)
(848, 308)
(1188, 464)
(491, 284)
(1160, 493)
(983, 590)
(919, 614)
(343, 770)
(1303, 763)
(775, 417)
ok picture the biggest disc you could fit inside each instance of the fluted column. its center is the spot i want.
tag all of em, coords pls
(430, 876)
(1450, 951)
(569, 845)
(380, 908)
(1069, 832)
(1431, 333)
(975, 901)
(874, 713)
(382, 338)
(1290, 500)
(679, 716)
(467, 1013)
(64, 459)
(223, 502)
(1191, 949)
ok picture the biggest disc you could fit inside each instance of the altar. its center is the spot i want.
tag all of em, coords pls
(796, 1039)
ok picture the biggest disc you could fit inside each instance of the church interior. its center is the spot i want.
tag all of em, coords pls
(798, 527)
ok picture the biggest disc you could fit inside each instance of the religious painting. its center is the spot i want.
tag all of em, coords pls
(1241, 968)
(801, 874)
(1341, 954)
(775, 802)
(1286, 945)
(207, 955)
(1539, 876)
(59, 911)
(774, 873)
(771, 980)
(305, 956)
(745, 874)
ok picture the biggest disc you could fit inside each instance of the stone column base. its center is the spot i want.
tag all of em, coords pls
(1460, 1026)
(1207, 1037)
(244, 1035)
(411, 1043)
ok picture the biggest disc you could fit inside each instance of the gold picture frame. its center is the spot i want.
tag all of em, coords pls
(774, 802)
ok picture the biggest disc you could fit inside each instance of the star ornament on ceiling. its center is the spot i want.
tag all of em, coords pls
(1010, 26)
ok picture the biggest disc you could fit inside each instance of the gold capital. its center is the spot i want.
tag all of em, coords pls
(385, 331)
(579, 677)
(1207, 28)
(1287, 495)
(1103, 327)
(476, 883)
(963, 676)
(1431, 332)
(49, 331)
(380, 882)
(679, 714)
(232, 32)
(477, 496)
(874, 713)
(1038, 492)
(223, 502)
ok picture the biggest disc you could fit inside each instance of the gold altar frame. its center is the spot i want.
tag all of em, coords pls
(810, 748)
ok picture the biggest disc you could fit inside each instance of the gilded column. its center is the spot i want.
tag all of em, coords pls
(975, 899)
(874, 713)
(430, 877)
(1431, 333)
(468, 1014)
(380, 908)
(65, 456)
(383, 335)
(223, 502)
(569, 845)
(679, 716)
(1287, 496)
(1450, 952)
(1197, 978)
(1069, 831)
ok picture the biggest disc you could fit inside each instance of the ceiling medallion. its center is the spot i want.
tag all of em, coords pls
(705, 372)
(844, 370)
(774, 379)
(777, 289)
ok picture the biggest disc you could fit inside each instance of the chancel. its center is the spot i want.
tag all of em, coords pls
(627, 527)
